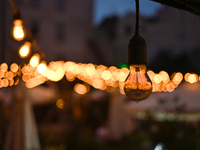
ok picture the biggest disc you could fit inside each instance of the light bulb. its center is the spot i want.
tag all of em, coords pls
(42, 67)
(138, 85)
(24, 50)
(35, 59)
(18, 32)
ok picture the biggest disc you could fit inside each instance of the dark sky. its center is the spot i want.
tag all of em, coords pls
(105, 8)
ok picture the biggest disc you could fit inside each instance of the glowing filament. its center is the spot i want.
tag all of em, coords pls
(35, 60)
(24, 51)
(18, 32)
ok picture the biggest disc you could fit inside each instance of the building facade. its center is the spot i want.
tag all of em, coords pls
(62, 28)
(171, 30)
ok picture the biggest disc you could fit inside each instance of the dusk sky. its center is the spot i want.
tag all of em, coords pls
(104, 8)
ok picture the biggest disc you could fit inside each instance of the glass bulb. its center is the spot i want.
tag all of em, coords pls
(18, 32)
(35, 59)
(42, 67)
(138, 85)
(24, 50)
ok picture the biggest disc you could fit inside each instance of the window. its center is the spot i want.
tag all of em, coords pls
(60, 4)
(60, 31)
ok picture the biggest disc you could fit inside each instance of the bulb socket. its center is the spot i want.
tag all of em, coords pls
(17, 16)
(137, 53)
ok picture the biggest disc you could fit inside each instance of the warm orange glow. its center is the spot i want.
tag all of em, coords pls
(87, 86)
(122, 91)
(157, 78)
(25, 78)
(4, 67)
(90, 70)
(50, 74)
(104, 86)
(151, 74)
(112, 69)
(1, 74)
(186, 76)
(37, 74)
(97, 83)
(33, 82)
(1, 83)
(25, 70)
(121, 76)
(35, 60)
(11, 82)
(9, 75)
(106, 75)
(110, 89)
(60, 103)
(16, 81)
(42, 67)
(164, 75)
(70, 77)
(5, 82)
(57, 75)
(28, 70)
(18, 32)
(14, 67)
(98, 76)
(193, 78)
(178, 77)
(24, 50)
(80, 89)
(40, 80)
(68, 66)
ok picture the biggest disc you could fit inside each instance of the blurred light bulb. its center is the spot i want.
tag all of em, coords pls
(18, 32)
(24, 50)
(42, 67)
(138, 85)
(35, 59)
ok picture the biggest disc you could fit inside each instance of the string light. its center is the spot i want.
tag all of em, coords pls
(98, 76)
(80, 89)
(42, 67)
(35, 59)
(60, 103)
(138, 85)
(18, 31)
(25, 49)
(56, 70)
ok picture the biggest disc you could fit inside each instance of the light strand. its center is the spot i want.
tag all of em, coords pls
(98, 76)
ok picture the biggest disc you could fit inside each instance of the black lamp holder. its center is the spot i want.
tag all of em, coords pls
(137, 53)
(17, 15)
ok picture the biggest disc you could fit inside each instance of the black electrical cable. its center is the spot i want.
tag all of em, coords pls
(14, 8)
(137, 18)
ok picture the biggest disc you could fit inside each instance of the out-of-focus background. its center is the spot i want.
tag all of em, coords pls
(72, 111)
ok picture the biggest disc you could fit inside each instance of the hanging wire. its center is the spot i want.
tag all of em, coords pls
(36, 47)
(14, 7)
(137, 18)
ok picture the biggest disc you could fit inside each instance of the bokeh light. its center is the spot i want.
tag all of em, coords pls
(193, 78)
(34, 61)
(60, 103)
(18, 32)
(14, 67)
(106, 75)
(24, 50)
(80, 89)
(42, 67)
(4, 67)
